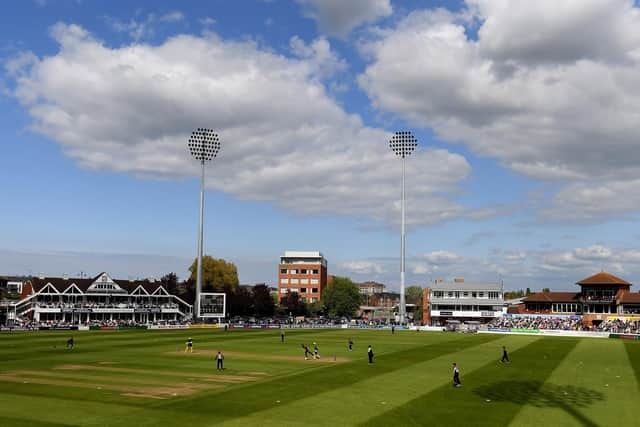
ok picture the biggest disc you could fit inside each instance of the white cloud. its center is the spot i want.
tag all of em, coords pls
(361, 267)
(442, 257)
(143, 29)
(339, 17)
(319, 55)
(284, 141)
(207, 21)
(175, 16)
(551, 88)
(558, 269)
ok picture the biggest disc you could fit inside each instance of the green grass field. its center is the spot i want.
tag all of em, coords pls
(144, 378)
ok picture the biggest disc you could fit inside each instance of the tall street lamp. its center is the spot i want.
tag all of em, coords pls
(204, 145)
(402, 143)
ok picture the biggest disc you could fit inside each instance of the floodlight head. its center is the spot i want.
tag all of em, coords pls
(403, 143)
(204, 144)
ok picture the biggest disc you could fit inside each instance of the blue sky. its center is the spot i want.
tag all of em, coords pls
(526, 169)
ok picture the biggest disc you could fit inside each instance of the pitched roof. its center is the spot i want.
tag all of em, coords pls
(603, 278)
(83, 284)
(629, 298)
(553, 297)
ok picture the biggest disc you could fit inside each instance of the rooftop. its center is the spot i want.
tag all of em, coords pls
(603, 278)
(302, 254)
(465, 286)
(553, 297)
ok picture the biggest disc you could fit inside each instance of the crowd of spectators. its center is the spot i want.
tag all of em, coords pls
(563, 323)
(620, 326)
(103, 305)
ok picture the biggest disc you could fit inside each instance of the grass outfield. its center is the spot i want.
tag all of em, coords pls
(144, 378)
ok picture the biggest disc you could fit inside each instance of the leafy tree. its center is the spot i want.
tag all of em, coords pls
(314, 308)
(514, 294)
(170, 282)
(414, 295)
(546, 290)
(217, 274)
(263, 304)
(528, 292)
(239, 301)
(341, 298)
(292, 304)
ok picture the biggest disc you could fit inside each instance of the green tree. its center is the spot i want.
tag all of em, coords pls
(292, 304)
(263, 304)
(341, 298)
(546, 290)
(218, 275)
(170, 282)
(414, 295)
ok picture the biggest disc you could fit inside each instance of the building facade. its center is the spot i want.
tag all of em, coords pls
(371, 288)
(304, 273)
(98, 299)
(462, 301)
(601, 296)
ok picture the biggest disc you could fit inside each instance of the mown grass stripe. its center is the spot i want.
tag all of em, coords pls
(374, 396)
(633, 353)
(586, 389)
(250, 399)
(22, 422)
(502, 387)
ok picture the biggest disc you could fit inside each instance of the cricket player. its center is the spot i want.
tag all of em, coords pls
(350, 345)
(282, 336)
(71, 343)
(456, 376)
(189, 347)
(220, 361)
(370, 354)
(306, 351)
(316, 353)
(505, 357)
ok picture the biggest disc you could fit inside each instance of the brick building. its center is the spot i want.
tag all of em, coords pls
(304, 273)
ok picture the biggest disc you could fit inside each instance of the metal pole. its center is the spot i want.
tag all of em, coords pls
(200, 234)
(402, 299)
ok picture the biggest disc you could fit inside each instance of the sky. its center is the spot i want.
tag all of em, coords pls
(527, 116)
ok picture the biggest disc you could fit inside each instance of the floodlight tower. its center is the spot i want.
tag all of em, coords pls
(204, 145)
(402, 143)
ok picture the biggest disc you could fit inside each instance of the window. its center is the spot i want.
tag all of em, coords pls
(494, 295)
(283, 270)
(314, 281)
(480, 294)
(438, 294)
(284, 281)
(303, 290)
(294, 281)
(304, 281)
(449, 294)
(294, 271)
(314, 290)
(315, 271)
(473, 295)
(284, 290)
(303, 271)
(294, 290)
(313, 299)
(465, 294)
